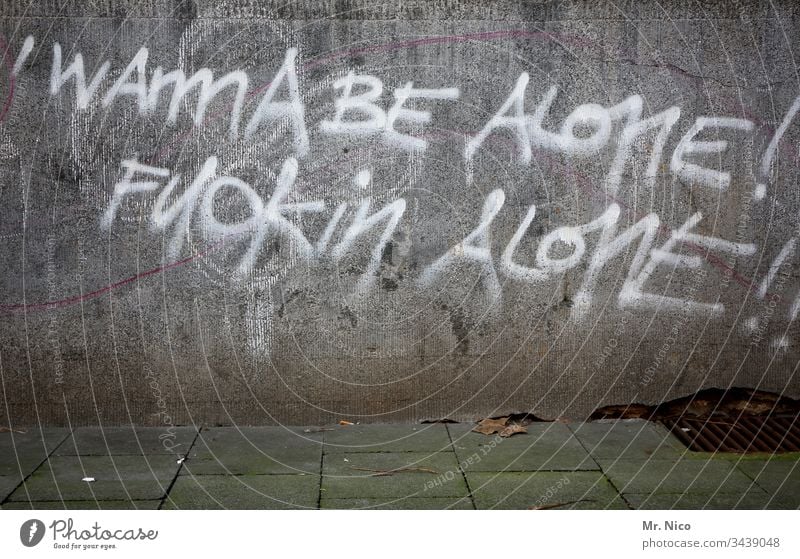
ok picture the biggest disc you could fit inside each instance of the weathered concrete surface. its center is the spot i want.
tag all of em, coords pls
(262, 292)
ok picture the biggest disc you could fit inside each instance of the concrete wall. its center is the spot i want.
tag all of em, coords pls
(239, 211)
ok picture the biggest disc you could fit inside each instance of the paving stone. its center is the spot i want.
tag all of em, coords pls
(661, 476)
(522, 490)
(635, 439)
(416, 503)
(117, 441)
(546, 446)
(7, 485)
(387, 438)
(120, 477)
(244, 492)
(342, 478)
(777, 476)
(755, 499)
(255, 450)
(83, 505)
(21, 453)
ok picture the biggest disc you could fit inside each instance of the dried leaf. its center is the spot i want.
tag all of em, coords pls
(512, 429)
(345, 422)
(490, 426)
(525, 418)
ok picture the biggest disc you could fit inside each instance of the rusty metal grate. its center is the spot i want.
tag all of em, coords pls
(745, 434)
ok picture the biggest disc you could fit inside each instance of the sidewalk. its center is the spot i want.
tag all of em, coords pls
(603, 465)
